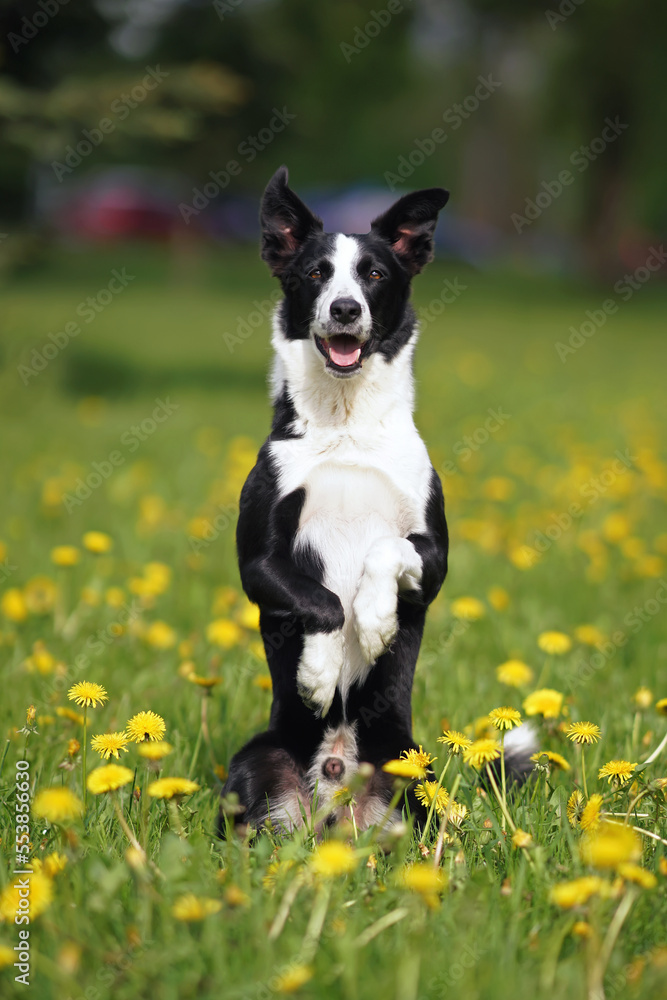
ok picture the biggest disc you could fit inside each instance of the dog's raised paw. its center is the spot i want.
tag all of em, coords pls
(376, 619)
(319, 670)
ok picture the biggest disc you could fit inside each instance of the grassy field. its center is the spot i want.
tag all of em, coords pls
(142, 425)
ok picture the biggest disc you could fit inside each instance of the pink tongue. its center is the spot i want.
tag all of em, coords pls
(344, 351)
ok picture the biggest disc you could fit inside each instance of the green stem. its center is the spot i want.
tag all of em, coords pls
(596, 981)
(84, 755)
(502, 774)
(195, 753)
(583, 773)
(431, 808)
(314, 929)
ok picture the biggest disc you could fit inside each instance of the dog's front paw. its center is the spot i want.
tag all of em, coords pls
(376, 618)
(319, 669)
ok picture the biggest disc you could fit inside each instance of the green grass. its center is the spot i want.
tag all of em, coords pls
(109, 930)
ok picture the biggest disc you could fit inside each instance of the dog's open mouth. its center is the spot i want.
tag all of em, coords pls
(342, 351)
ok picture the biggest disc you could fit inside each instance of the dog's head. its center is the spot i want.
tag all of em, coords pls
(347, 294)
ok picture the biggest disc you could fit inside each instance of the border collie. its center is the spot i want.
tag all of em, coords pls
(342, 538)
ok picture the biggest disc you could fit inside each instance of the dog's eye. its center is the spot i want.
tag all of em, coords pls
(375, 275)
(315, 273)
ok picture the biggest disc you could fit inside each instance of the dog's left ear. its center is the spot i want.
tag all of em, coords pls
(286, 223)
(409, 226)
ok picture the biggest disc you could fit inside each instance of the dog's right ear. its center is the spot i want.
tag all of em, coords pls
(286, 223)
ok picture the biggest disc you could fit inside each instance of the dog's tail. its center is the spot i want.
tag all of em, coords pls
(520, 744)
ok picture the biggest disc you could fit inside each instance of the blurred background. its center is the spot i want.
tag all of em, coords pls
(161, 121)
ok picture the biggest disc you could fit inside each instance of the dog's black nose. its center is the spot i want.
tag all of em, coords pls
(345, 310)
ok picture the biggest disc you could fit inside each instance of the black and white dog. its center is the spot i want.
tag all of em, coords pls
(342, 538)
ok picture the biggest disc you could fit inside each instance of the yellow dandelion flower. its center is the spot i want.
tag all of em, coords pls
(263, 682)
(234, 896)
(158, 576)
(334, 858)
(248, 617)
(419, 757)
(577, 892)
(13, 605)
(97, 542)
(426, 791)
(554, 643)
(170, 788)
(505, 718)
(498, 598)
(404, 769)
(224, 632)
(553, 758)
(73, 747)
(589, 635)
(108, 744)
(523, 556)
(41, 896)
(661, 706)
(40, 595)
(57, 805)
(293, 978)
(520, 838)
(87, 693)
(155, 750)
(589, 819)
(635, 873)
(582, 929)
(50, 865)
(514, 673)
(204, 682)
(457, 813)
(159, 635)
(456, 741)
(610, 845)
(545, 702)
(68, 713)
(618, 771)
(192, 908)
(468, 608)
(41, 660)
(481, 752)
(616, 527)
(145, 726)
(425, 880)
(115, 597)
(108, 778)
(583, 732)
(7, 955)
(65, 555)
(643, 698)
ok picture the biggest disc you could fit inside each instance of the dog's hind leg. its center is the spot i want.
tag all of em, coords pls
(269, 784)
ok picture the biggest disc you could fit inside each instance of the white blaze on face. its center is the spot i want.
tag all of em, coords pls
(343, 284)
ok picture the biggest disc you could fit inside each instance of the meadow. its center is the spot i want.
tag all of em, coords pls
(126, 437)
